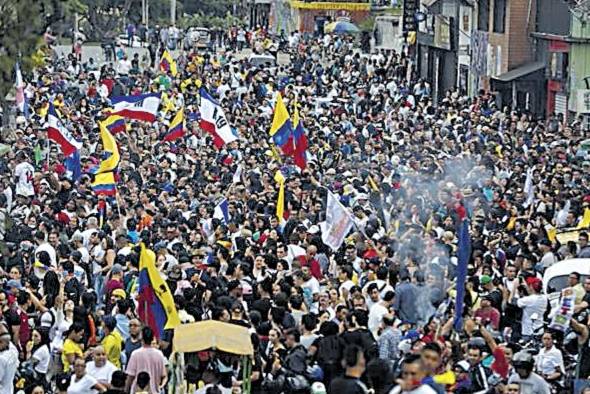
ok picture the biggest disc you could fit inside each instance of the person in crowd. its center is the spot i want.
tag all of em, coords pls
(335, 242)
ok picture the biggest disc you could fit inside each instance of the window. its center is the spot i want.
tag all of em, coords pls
(499, 16)
(483, 15)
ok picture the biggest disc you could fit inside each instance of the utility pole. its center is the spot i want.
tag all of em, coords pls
(173, 12)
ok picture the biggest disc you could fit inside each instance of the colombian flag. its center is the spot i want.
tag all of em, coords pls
(281, 129)
(167, 64)
(104, 184)
(155, 301)
(176, 129)
(115, 124)
(109, 145)
(300, 140)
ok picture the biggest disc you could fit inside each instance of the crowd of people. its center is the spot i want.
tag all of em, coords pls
(376, 315)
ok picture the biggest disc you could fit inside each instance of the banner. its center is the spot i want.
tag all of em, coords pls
(331, 6)
(337, 225)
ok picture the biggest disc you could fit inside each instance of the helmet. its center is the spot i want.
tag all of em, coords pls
(524, 360)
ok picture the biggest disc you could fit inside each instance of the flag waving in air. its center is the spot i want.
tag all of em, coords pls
(299, 140)
(281, 129)
(58, 132)
(168, 64)
(463, 257)
(280, 179)
(176, 129)
(109, 145)
(115, 124)
(20, 98)
(155, 301)
(213, 120)
(338, 223)
(141, 107)
(104, 184)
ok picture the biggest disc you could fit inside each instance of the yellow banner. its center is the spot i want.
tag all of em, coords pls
(331, 6)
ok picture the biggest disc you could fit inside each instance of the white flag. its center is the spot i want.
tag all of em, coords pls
(338, 223)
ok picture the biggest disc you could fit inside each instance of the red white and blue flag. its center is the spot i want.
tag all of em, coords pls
(142, 107)
(213, 120)
(59, 133)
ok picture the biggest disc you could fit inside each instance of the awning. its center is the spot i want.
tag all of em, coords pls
(520, 72)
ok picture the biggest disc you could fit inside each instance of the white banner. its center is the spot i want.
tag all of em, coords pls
(338, 223)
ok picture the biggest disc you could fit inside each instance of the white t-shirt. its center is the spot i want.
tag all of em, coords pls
(424, 389)
(82, 386)
(50, 250)
(533, 304)
(43, 357)
(102, 374)
(24, 172)
(8, 365)
(376, 317)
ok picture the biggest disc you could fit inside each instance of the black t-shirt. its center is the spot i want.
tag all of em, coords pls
(348, 385)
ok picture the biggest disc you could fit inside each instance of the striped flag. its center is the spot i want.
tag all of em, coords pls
(59, 133)
(141, 107)
(176, 129)
(213, 120)
(155, 302)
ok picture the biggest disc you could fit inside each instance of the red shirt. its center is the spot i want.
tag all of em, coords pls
(314, 266)
(491, 316)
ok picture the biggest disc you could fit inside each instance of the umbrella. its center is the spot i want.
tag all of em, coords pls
(341, 27)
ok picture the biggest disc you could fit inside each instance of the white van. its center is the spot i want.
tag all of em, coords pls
(555, 277)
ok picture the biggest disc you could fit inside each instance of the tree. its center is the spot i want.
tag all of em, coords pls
(22, 24)
(106, 17)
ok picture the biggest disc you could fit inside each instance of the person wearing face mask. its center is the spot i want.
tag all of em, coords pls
(100, 368)
(8, 361)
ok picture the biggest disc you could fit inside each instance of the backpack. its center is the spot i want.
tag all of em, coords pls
(329, 351)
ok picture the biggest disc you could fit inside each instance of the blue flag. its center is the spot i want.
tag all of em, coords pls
(463, 255)
(73, 166)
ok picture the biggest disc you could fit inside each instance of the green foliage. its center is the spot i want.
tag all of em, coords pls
(209, 8)
(22, 24)
(367, 24)
(200, 20)
(106, 18)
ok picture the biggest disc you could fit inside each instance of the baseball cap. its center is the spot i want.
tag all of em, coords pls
(14, 283)
(485, 279)
(119, 293)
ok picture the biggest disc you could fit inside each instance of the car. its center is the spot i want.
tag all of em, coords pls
(262, 61)
(136, 43)
(555, 277)
(198, 37)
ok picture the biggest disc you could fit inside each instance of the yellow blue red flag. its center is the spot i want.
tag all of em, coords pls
(176, 129)
(281, 129)
(168, 64)
(155, 301)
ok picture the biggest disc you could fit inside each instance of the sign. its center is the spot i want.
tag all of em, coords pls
(583, 101)
(409, 15)
(442, 32)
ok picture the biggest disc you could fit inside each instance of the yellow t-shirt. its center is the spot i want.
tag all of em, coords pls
(70, 347)
(112, 344)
